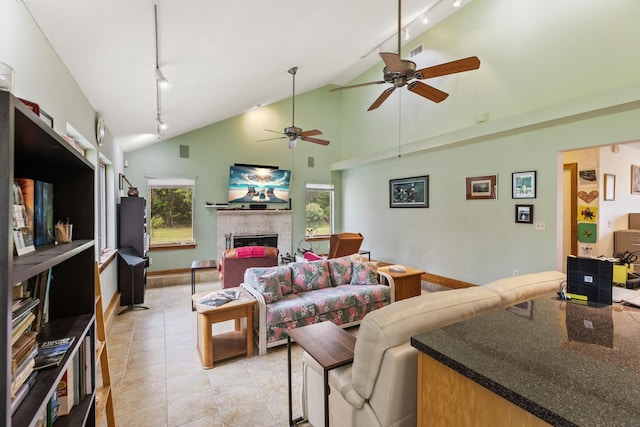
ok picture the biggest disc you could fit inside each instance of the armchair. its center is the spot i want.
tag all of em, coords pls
(343, 244)
(236, 260)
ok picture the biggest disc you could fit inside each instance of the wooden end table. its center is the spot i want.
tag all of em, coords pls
(212, 348)
(199, 265)
(407, 284)
(330, 346)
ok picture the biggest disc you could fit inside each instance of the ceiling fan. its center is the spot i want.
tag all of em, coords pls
(295, 133)
(402, 72)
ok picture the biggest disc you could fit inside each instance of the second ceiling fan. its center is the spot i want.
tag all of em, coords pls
(292, 132)
(402, 72)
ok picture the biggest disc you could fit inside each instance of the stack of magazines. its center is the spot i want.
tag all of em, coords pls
(215, 299)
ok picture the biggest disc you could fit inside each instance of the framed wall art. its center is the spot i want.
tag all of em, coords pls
(409, 192)
(524, 214)
(609, 186)
(482, 187)
(635, 179)
(523, 185)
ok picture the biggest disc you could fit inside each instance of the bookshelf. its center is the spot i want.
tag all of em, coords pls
(29, 148)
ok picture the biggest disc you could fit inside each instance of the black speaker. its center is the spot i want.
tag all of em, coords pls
(257, 206)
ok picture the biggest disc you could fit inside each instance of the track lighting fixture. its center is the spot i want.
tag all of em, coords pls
(407, 35)
(161, 125)
(457, 3)
(162, 80)
(425, 18)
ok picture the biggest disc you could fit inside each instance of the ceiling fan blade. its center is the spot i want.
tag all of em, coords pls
(274, 131)
(358, 85)
(429, 92)
(392, 61)
(458, 66)
(271, 139)
(315, 140)
(311, 132)
(383, 96)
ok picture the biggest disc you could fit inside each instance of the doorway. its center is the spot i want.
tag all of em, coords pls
(569, 212)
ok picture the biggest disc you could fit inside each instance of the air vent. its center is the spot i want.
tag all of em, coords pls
(415, 51)
(311, 162)
(184, 151)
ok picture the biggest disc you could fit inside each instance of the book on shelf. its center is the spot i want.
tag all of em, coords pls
(42, 287)
(51, 353)
(23, 326)
(22, 351)
(216, 299)
(66, 392)
(27, 190)
(23, 391)
(22, 235)
(43, 213)
(88, 365)
(21, 377)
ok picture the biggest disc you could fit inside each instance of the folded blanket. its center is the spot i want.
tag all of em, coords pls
(251, 252)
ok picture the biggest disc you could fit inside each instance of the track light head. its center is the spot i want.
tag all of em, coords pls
(162, 80)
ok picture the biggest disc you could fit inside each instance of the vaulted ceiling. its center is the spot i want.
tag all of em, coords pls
(221, 58)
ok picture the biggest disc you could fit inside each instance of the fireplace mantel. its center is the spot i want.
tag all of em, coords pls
(256, 221)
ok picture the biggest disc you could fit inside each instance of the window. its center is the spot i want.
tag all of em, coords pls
(319, 209)
(171, 211)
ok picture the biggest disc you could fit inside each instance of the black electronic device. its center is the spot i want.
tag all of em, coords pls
(590, 277)
(257, 206)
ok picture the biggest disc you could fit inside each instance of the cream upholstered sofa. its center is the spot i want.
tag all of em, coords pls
(379, 388)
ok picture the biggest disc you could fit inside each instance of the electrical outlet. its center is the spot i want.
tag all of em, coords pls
(516, 272)
(540, 225)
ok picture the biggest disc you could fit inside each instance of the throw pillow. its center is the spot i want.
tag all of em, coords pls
(307, 276)
(269, 286)
(284, 276)
(364, 273)
(340, 269)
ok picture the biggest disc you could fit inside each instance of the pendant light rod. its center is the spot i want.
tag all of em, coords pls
(293, 71)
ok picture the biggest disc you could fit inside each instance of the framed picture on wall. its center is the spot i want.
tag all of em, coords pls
(523, 185)
(482, 187)
(635, 179)
(409, 192)
(609, 186)
(524, 214)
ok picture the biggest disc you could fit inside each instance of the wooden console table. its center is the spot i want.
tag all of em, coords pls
(329, 345)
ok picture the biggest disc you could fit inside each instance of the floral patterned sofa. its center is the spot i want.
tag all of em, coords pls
(342, 290)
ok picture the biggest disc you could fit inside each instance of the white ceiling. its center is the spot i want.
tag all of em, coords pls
(221, 57)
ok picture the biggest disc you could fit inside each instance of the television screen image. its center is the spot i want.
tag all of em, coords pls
(249, 184)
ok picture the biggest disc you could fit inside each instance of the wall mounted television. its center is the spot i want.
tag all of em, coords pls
(258, 184)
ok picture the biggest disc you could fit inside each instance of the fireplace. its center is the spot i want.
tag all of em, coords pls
(250, 223)
(270, 240)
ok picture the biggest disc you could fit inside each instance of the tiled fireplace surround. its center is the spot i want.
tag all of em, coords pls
(254, 222)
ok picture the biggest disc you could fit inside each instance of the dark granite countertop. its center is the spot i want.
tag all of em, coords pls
(567, 363)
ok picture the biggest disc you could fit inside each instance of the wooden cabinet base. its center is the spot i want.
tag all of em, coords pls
(447, 398)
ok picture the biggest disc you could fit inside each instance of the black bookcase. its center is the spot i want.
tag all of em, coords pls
(132, 253)
(29, 148)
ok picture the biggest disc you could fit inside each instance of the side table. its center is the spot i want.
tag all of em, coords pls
(407, 284)
(199, 265)
(225, 345)
(329, 345)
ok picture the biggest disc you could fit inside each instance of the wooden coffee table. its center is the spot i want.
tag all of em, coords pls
(212, 348)
(330, 346)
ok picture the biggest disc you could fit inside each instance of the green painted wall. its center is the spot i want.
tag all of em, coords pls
(214, 148)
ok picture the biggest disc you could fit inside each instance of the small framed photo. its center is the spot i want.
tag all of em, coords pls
(409, 192)
(482, 187)
(609, 186)
(523, 185)
(46, 118)
(524, 214)
(635, 179)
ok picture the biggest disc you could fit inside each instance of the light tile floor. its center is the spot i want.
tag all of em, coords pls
(158, 380)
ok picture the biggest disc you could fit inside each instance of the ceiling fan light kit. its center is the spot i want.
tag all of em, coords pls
(292, 132)
(401, 72)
